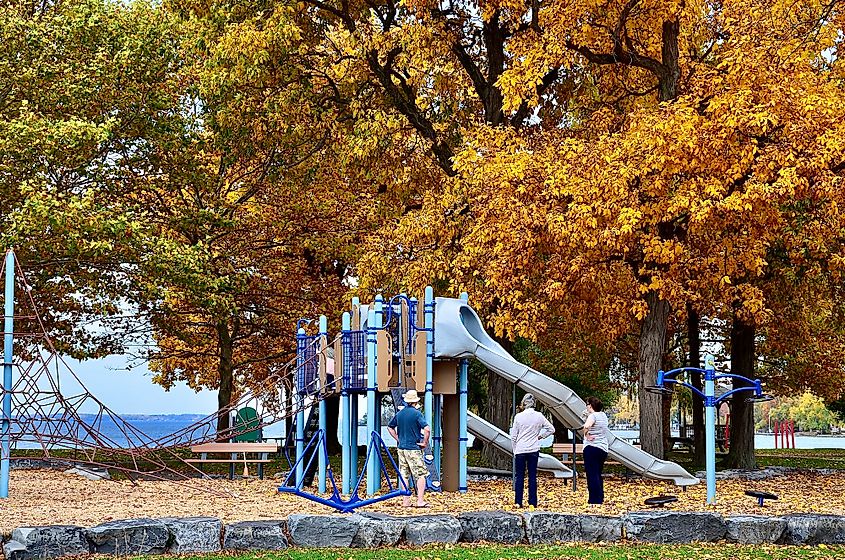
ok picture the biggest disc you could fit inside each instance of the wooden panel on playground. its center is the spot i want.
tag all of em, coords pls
(338, 364)
(385, 375)
(417, 376)
(445, 377)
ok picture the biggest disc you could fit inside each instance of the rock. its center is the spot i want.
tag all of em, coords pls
(600, 528)
(754, 529)
(674, 527)
(376, 529)
(50, 542)
(193, 534)
(492, 526)
(91, 473)
(808, 528)
(129, 536)
(545, 527)
(323, 530)
(439, 528)
(13, 550)
(255, 535)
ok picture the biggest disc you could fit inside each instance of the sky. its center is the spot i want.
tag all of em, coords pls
(133, 391)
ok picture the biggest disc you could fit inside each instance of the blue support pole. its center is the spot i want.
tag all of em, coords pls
(373, 319)
(321, 457)
(8, 342)
(710, 426)
(353, 404)
(376, 461)
(300, 400)
(347, 473)
(429, 355)
(463, 387)
(354, 416)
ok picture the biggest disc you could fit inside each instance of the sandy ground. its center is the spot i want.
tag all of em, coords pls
(45, 497)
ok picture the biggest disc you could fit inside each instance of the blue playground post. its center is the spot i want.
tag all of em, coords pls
(8, 341)
(321, 458)
(429, 354)
(463, 386)
(373, 324)
(353, 398)
(710, 426)
(346, 410)
(711, 403)
(300, 399)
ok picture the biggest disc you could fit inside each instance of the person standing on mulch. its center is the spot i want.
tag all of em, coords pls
(529, 427)
(595, 449)
(411, 432)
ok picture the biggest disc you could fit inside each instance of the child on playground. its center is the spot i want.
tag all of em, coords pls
(406, 428)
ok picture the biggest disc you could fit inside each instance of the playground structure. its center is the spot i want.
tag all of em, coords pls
(388, 347)
(711, 404)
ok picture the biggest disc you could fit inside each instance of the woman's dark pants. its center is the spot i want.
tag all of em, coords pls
(523, 460)
(594, 463)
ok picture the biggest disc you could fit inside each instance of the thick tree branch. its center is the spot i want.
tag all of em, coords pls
(404, 100)
(524, 110)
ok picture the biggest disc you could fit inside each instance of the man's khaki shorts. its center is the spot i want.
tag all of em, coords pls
(411, 465)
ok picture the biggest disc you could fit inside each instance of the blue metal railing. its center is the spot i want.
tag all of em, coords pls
(317, 445)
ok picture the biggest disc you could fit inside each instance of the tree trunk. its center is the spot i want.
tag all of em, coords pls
(670, 53)
(652, 349)
(666, 424)
(561, 431)
(741, 454)
(694, 338)
(225, 373)
(499, 411)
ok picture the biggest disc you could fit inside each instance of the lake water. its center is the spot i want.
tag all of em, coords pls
(766, 441)
(159, 426)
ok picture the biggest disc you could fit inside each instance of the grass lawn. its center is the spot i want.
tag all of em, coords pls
(589, 552)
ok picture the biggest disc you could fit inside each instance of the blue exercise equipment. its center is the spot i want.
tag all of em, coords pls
(711, 403)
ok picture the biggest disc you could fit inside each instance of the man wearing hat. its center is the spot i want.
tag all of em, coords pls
(411, 431)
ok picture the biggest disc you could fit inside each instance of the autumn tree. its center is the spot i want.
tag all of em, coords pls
(668, 188)
(71, 98)
(252, 226)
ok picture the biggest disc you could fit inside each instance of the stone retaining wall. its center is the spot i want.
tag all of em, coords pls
(207, 534)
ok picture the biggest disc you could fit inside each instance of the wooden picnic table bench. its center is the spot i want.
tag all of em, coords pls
(565, 451)
(243, 452)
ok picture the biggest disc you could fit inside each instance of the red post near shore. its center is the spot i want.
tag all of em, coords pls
(785, 430)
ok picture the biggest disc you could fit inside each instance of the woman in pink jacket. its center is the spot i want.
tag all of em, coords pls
(529, 427)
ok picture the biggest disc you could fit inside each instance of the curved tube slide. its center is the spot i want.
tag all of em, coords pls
(460, 334)
(487, 432)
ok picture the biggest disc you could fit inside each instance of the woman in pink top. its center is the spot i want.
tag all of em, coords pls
(529, 427)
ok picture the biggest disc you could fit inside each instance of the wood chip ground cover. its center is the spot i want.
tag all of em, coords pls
(45, 497)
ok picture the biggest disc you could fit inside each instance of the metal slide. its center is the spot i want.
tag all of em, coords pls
(460, 334)
(487, 432)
